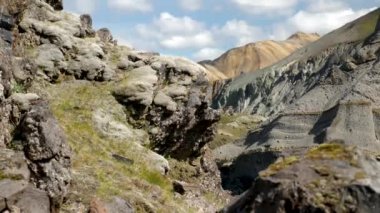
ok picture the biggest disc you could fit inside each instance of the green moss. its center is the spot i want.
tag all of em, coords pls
(332, 150)
(10, 176)
(231, 128)
(360, 175)
(155, 178)
(278, 166)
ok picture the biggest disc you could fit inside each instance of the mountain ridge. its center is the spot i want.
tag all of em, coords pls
(254, 56)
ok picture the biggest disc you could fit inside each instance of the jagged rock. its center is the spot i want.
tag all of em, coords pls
(13, 165)
(105, 35)
(164, 100)
(138, 87)
(31, 200)
(173, 97)
(49, 56)
(86, 22)
(23, 70)
(19, 195)
(46, 148)
(329, 178)
(56, 4)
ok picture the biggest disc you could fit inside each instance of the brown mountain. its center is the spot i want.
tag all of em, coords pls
(254, 56)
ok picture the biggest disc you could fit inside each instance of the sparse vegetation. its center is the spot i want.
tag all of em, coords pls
(233, 127)
(10, 176)
(332, 150)
(279, 165)
(96, 173)
(18, 88)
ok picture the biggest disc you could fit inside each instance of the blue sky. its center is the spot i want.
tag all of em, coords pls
(203, 29)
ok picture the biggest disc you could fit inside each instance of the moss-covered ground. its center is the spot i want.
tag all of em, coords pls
(96, 174)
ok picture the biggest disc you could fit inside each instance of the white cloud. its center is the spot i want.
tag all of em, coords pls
(198, 40)
(85, 6)
(241, 31)
(323, 22)
(176, 33)
(266, 7)
(131, 5)
(321, 17)
(191, 5)
(167, 23)
(207, 53)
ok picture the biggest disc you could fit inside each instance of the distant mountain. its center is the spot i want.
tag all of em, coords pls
(254, 56)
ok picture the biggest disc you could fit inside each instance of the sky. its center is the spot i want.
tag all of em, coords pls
(204, 29)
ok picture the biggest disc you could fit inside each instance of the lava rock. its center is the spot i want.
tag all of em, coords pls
(47, 150)
(329, 178)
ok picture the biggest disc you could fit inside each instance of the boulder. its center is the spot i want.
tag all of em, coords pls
(13, 165)
(165, 101)
(22, 196)
(47, 151)
(105, 35)
(86, 22)
(328, 178)
(31, 200)
(172, 95)
(138, 87)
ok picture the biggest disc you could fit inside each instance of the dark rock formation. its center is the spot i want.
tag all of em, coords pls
(172, 95)
(86, 22)
(329, 178)
(105, 35)
(46, 148)
(56, 4)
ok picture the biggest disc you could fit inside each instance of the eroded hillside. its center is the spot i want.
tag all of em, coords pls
(255, 56)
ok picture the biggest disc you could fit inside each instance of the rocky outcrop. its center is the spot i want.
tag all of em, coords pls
(172, 95)
(55, 41)
(331, 94)
(35, 159)
(46, 148)
(329, 178)
(254, 56)
(86, 22)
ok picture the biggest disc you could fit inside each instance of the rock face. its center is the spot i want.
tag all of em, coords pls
(255, 56)
(325, 92)
(55, 41)
(35, 159)
(172, 95)
(46, 148)
(269, 91)
(329, 178)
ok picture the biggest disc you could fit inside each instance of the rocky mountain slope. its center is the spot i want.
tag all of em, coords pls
(327, 91)
(255, 56)
(133, 120)
(91, 126)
